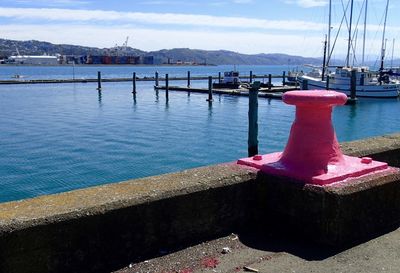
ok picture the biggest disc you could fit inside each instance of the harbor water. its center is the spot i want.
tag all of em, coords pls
(60, 137)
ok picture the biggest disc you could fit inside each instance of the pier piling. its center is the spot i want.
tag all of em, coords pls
(156, 79)
(219, 77)
(166, 87)
(284, 78)
(99, 80)
(304, 84)
(353, 88)
(210, 94)
(188, 79)
(253, 120)
(353, 84)
(269, 81)
(251, 77)
(134, 83)
(327, 82)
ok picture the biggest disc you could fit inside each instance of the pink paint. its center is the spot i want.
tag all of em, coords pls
(186, 270)
(312, 153)
(210, 262)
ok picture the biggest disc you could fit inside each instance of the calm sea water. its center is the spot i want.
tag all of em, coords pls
(88, 71)
(55, 138)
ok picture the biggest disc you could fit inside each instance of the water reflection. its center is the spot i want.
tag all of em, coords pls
(99, 99)
(210, 110)
(157, 95)
(352, 111)
(74, 92)
(134, 98)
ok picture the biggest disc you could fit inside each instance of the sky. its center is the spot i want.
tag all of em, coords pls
(295, 27)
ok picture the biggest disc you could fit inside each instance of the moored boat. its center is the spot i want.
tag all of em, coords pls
(231, 80)
(367, 83)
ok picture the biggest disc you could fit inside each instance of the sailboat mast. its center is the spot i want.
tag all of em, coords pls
(391, 62)
(383, 36)
(329, 32)
(349, 43)
(324, 61)
(365, 31)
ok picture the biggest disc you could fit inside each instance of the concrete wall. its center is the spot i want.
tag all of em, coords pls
(103, 228)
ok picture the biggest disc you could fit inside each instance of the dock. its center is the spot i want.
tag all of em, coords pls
(129, 79)
(44, 81)
(275, 92)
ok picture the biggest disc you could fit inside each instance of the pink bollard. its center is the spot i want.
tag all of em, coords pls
(312, 153)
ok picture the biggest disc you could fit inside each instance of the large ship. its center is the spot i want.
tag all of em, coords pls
(33, 60)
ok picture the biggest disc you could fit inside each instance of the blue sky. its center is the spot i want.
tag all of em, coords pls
(247, 26)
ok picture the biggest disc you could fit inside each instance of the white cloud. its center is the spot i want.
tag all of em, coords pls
(151, 39)
(167, 2)
(243, 1)
(308, 3)
(52, 3)
(80, 15)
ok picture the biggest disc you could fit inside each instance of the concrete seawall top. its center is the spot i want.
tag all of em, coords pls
(97, 200)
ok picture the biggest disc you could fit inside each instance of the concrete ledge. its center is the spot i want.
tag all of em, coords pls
(104, 228)
(382, 148)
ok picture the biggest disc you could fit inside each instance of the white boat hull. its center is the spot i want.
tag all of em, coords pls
(370, 90)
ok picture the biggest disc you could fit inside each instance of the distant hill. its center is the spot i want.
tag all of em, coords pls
(217, 57)
(229, 57)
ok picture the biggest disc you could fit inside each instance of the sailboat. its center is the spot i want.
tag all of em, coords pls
(367, 82)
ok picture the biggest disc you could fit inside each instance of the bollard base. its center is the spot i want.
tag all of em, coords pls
(339, 214)
(351, 167)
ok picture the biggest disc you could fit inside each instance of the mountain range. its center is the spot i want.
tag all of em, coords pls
(217, 57)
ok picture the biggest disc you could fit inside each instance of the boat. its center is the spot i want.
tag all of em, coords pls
(292, 77)
(368, 83)
(231, 80)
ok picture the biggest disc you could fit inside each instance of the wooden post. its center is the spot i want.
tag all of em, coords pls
(99, 80)
(304, 84)
(188, 79)
(253, 119)
(251, 76)
(269, 81)
(134, 83)
(219, 77)
(166, 86)
(210, 94)
(156, 83)
(284, 78)
(353, 84)
(327, 81)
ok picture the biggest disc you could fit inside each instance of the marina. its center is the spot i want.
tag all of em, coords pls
(222, 138)
(348, 78)
(274, 93)
(95, 137)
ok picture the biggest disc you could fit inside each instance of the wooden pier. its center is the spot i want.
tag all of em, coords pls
(129, 79)
(275, 92)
